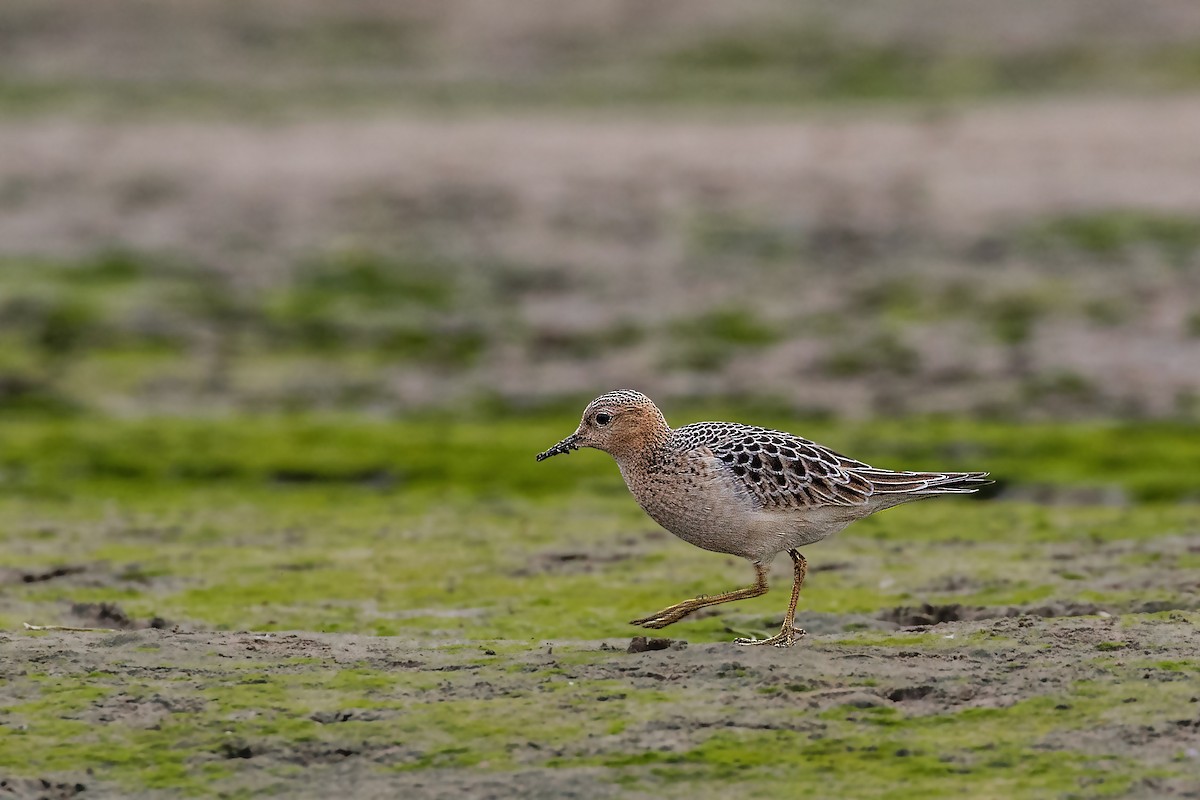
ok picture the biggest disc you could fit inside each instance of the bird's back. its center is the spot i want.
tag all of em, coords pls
(783, 470)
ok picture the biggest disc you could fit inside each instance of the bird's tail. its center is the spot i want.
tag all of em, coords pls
(924, 484)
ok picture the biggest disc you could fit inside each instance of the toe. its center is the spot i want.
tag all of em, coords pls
(658, 616)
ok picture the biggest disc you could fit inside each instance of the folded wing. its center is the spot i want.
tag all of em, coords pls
(780, 470)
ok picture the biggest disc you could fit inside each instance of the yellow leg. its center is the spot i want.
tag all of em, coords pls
(789, 633)
(672, 614)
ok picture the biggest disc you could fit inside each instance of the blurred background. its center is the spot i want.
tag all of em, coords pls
(874, 208)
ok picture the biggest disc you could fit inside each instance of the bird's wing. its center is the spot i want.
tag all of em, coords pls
(780, 470)
(924, 484)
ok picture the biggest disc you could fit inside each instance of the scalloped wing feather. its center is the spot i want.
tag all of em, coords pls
(780, 470)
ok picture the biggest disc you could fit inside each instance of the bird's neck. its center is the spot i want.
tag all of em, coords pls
(645, 454)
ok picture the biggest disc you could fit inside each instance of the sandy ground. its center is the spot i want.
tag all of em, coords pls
(531, 182)
(561, 231)
(734, 688)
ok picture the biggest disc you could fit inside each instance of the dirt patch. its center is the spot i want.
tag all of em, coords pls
(51, 574)
(39, 788)
(927, 614)
(574, 561)
(41, 575)
(642, 644)
(111, 615)
(135, 710)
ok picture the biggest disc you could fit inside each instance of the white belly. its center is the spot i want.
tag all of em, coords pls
(703, 509)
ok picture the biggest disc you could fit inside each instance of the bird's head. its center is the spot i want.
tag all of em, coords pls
(620, 423)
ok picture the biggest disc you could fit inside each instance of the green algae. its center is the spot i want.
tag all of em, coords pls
(951, 756)
(357, 560)
(1147, 460)
(939, 640)
(488, 563)
(884, 752)
(551, 714)
(765, 764)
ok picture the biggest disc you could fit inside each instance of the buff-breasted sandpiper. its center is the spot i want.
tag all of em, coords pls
(743, 490)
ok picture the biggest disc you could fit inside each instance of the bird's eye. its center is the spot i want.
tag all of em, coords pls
(603, 418)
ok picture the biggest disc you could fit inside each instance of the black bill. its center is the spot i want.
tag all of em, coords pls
(565, 446)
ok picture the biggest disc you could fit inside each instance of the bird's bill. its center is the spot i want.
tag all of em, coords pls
(565, 446)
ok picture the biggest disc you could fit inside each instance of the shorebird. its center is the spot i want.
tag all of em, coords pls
(743, 490)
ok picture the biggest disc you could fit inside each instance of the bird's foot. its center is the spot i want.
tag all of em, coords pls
(669, 615)
(786, 637)
(659, 620)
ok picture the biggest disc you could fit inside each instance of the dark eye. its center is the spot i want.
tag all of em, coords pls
(603, 418)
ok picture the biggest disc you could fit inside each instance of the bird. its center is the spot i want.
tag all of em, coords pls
(743, 490)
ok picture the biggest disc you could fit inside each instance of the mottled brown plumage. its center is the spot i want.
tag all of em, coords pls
(743, 490)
